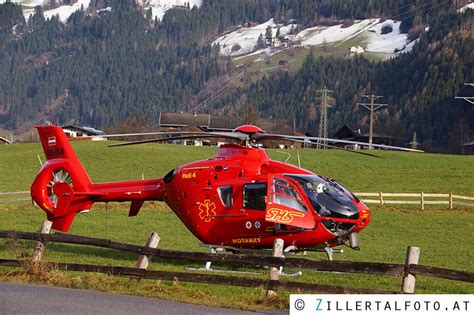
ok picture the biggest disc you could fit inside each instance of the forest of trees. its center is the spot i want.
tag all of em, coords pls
(419, 87)
(99, 68)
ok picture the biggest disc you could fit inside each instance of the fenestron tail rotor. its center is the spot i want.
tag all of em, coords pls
(57, 176)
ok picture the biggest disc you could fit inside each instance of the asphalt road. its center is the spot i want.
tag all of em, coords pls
(36, 299)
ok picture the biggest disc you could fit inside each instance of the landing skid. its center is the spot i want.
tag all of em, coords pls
(224, 248)
(208, 268)
(330, 251)
(215, 249)
(220, 249)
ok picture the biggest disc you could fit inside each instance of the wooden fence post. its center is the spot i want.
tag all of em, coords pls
(412, 258)
(450, 201)
(39, 248)
(422, 195)
(144, 260)
(275, 272)
(381, 198)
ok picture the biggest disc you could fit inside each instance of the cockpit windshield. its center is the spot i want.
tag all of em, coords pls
(327, 197)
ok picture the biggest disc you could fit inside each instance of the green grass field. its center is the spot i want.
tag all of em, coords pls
(445, 237)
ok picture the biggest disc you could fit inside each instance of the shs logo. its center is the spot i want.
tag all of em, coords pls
(282, 215)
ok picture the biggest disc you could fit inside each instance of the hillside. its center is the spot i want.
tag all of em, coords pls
(419, 87)
(65, 8)
(116, 59)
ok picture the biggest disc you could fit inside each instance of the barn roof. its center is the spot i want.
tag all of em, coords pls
(88, 130)
(183, 119)
(469, 144)
(5, 140)
(178, 120)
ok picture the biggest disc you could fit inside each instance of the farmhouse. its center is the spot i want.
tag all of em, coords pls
(208, 122)
(82, 132)
(180, 120)
(4, 140)
(361, 134)
(468, 147)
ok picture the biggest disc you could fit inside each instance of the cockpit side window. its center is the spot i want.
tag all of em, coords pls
(284, 194)
(327, 197)
(255, 195)
(225, 193)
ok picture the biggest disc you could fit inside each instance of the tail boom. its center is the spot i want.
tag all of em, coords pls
(63, 188)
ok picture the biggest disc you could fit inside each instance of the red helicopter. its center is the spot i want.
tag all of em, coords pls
(239, 199)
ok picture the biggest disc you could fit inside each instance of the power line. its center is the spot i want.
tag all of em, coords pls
(426, 10)
(214, 91)
(406, 8)
(372, 107)
(470, 99)
(323, 118)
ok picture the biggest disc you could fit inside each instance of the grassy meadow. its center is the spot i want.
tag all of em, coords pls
(445, 237)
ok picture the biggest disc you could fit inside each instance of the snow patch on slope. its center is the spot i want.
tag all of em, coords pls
(28, 5)
(319, 35)
(247, 38)
(467, 6)
(159, 7)
(389, 43)
(65, 11)
(243, 41)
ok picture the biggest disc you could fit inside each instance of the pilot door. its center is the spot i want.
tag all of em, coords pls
(285, 204)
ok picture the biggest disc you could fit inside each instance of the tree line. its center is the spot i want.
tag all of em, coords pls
(100, 67)
(418, 86)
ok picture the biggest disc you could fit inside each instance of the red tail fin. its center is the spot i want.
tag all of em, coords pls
(62, 175)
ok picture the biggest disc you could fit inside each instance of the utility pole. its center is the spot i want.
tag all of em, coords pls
(372, 107)
(470, 99)
(323, 118)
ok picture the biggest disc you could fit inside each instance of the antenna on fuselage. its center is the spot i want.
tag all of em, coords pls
(283, 152)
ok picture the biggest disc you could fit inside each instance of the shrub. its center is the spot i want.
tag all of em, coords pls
(387, 28)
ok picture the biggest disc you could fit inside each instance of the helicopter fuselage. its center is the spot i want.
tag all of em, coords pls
(225, 201)
(240, 198)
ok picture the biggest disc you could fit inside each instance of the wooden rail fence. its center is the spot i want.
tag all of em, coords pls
(20, 196)
(417, 199)
(408, 270)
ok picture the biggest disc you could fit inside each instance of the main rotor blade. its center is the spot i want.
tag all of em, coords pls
(335, 147)
(163, 133)
(267, 136)
(185, 137)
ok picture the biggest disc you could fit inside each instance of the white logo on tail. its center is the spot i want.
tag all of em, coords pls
(51, 141)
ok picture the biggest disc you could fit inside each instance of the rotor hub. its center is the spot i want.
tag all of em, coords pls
(248, 129)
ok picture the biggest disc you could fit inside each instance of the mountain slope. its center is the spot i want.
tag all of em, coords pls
(418, 86)
(98, 69)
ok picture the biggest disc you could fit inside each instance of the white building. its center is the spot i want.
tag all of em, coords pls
(83, 132)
